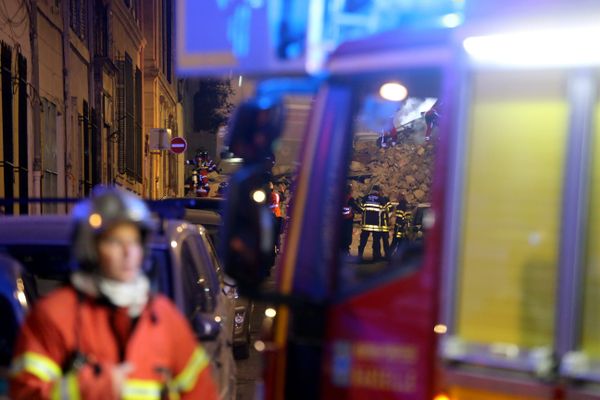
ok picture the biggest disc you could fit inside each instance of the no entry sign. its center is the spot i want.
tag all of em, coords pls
(178, 145)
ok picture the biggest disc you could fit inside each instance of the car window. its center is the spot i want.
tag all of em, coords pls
(47, 267)
(388, 186)
(212, 255)
(9, 326)
(199, 295)
(228, 166)
(159, 272)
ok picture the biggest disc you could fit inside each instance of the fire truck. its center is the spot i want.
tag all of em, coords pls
(500, 300)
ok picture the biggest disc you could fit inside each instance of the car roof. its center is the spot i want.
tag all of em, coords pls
(57, 230)
(36, 229)
(203, 217)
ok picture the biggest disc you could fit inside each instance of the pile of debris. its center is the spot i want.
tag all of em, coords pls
(405, 168)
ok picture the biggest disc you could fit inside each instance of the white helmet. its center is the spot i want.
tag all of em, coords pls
(106, 207)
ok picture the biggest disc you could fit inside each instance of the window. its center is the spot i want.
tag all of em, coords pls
(7, 124)
(78, 18)
(138, 162)
(210, 264)
(167, 28)
(129, 119)
(388, 184)
(197, 290)
(212, 255)
(101, 29)
(507, 275)
(45, 267)
(9, 327)
(134, 7)
(13, 166)
(22, 123)
(87, 143)
(160, 272)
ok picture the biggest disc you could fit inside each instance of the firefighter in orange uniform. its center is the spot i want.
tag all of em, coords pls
(275, 207)
(106, 335)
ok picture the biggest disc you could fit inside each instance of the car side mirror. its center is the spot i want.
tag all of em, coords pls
(206, 329)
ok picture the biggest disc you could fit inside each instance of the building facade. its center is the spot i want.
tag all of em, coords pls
(82, 83)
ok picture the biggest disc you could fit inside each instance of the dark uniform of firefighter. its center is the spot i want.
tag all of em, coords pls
(402, 224)
(375, 220)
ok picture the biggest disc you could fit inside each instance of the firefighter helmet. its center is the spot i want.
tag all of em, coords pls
(106, 207)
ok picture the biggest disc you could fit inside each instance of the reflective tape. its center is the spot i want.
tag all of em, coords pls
(36, 364)
(139, 389)
(189, 375)
(372, 228)
(66, 388)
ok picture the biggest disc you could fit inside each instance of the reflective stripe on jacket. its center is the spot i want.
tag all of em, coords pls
(375, 210)
(402, 223)
(165, 357)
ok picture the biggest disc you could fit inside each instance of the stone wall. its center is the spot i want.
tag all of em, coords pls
(405, 168)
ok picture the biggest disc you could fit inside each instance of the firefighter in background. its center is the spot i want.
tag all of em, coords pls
(222, 190)
(203, 188)
(284, 200)
(106, 335)
(275, 207)
(401, 225)
(432, 119)
(348, 210)
(202, 163)
(375, 220)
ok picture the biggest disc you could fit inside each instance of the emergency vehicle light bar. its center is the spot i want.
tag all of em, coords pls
(542, 48)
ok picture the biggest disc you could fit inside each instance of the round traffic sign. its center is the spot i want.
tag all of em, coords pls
(178, 145)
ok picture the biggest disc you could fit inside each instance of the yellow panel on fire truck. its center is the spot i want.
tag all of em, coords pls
(517, 135)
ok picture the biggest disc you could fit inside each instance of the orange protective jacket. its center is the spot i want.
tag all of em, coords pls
(167, 362)
(274, 204)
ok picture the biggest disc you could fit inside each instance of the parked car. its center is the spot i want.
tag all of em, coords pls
(12, 311)
(183, 266)
(206, 212)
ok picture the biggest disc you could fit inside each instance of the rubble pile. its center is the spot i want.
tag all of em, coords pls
(405, 168)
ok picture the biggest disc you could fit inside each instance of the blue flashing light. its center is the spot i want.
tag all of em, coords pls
(237, 30)
(282, 86)
(452, 20)
(264, 103)
(256, 3)
(222, 4)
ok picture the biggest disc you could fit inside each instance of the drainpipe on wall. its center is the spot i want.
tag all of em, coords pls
(66, 50)
(36, 187)
(94, 94)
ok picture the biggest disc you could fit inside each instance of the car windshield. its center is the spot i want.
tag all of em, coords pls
(228, 166)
